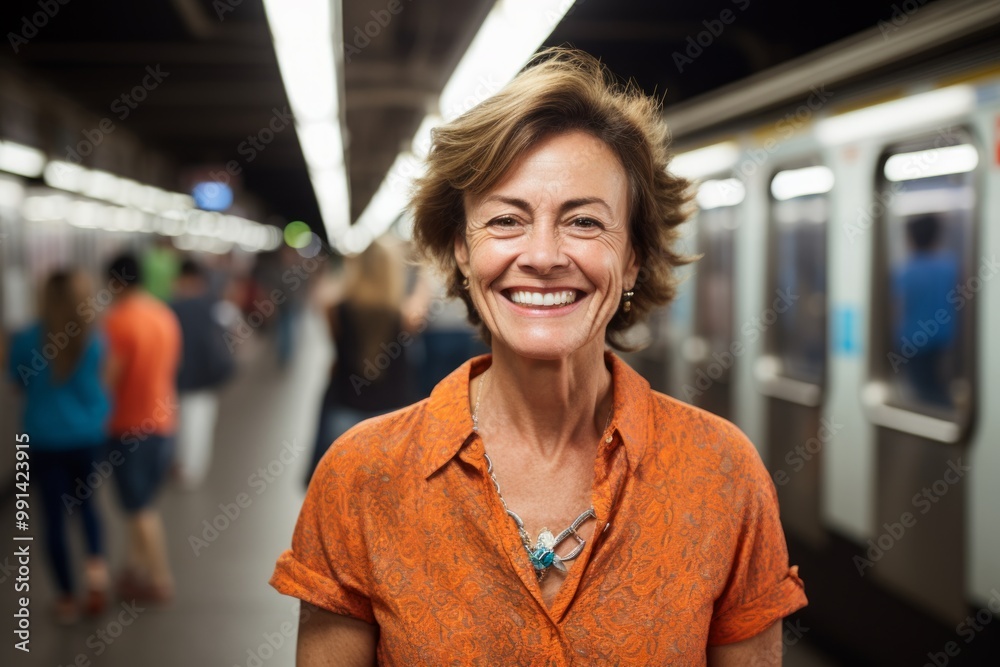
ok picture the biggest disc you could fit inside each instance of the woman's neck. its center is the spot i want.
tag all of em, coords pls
(545, 406)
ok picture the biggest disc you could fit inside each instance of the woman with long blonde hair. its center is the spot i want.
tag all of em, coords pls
(58, 364)
(371, 374)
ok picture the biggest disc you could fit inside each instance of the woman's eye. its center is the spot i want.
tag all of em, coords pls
(586, 223)
(503, 221)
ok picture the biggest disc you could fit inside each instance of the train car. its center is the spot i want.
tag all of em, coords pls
(841, 314)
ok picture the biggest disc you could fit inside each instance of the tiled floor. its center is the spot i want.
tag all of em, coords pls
(225, 614)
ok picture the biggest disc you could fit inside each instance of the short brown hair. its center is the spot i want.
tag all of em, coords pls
(559, 91)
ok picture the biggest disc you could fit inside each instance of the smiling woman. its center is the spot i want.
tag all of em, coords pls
(544, 505)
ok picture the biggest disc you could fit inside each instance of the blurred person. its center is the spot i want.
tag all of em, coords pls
(275, 273)
(371, 374)
(59, 364)
(921, 285)
(206, 363)
(160, 265)
(145, 343)
(544, 504)
(447, 338)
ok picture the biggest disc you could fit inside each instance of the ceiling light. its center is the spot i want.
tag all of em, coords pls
(21, 160)
(11, 192)
(792, 183)
(702, 162)
(923, 109)
(306, 35)
(932, 162)
(718, 193)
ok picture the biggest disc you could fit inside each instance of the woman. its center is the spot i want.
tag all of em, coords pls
(544, 506)
(59, 364)
(370, 375)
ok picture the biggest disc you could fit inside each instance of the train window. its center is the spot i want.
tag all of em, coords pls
(800, 208)
(926, 262)
(717, 221)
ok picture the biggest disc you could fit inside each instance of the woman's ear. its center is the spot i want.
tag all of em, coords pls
(462, 254)
(634, 263)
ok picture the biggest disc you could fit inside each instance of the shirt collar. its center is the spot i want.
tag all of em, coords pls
(449, 424)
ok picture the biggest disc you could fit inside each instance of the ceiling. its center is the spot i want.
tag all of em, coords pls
(224, 85)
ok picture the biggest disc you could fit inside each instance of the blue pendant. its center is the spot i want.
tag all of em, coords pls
(542, 558)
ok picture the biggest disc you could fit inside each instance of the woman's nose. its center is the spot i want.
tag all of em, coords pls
(543, 251)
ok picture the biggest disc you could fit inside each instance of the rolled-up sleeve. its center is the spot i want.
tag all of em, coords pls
(327, 565)
(761, 588)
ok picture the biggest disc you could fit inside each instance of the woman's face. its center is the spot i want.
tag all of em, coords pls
(547, 251)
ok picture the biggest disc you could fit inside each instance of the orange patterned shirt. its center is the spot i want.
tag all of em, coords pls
(403, 528)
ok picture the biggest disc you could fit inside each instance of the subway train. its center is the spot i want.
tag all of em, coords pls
(841, 314)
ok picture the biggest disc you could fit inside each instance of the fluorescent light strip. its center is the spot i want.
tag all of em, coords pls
(897, 116)
(305, 34)
(11, 193)
(932, 162)
(122, 204)
(21, 160)
(719, 193)
(792, 183)
(510, 35)
(706, 161)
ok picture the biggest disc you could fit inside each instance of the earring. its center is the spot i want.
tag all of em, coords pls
(465, 284)
(627, 305)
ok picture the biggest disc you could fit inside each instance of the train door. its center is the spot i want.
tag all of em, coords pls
(792, 371)
(921, 390)
(709, 350)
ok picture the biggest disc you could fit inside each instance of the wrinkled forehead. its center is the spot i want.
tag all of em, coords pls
(559, 167)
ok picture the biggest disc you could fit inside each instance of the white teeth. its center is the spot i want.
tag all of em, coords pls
(546, 299)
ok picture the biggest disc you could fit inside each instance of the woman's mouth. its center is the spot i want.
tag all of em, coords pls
(542, 299)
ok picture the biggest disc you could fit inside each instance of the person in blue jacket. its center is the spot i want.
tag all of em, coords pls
(58, 364)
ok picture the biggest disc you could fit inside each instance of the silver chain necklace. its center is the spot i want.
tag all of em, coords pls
(542, 554)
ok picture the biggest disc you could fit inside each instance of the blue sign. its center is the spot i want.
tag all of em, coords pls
(212, 196)
(846, 331)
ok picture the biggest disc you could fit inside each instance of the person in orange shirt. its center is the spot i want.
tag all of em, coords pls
(544, 506)
(144, 339)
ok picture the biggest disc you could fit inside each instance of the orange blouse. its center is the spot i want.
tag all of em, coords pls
(402, 527)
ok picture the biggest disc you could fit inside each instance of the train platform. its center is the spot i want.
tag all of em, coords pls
(224, 612)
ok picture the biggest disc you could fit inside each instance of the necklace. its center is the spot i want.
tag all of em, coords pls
(542, 554)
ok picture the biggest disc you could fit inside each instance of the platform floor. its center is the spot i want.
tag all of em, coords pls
(224, 613)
